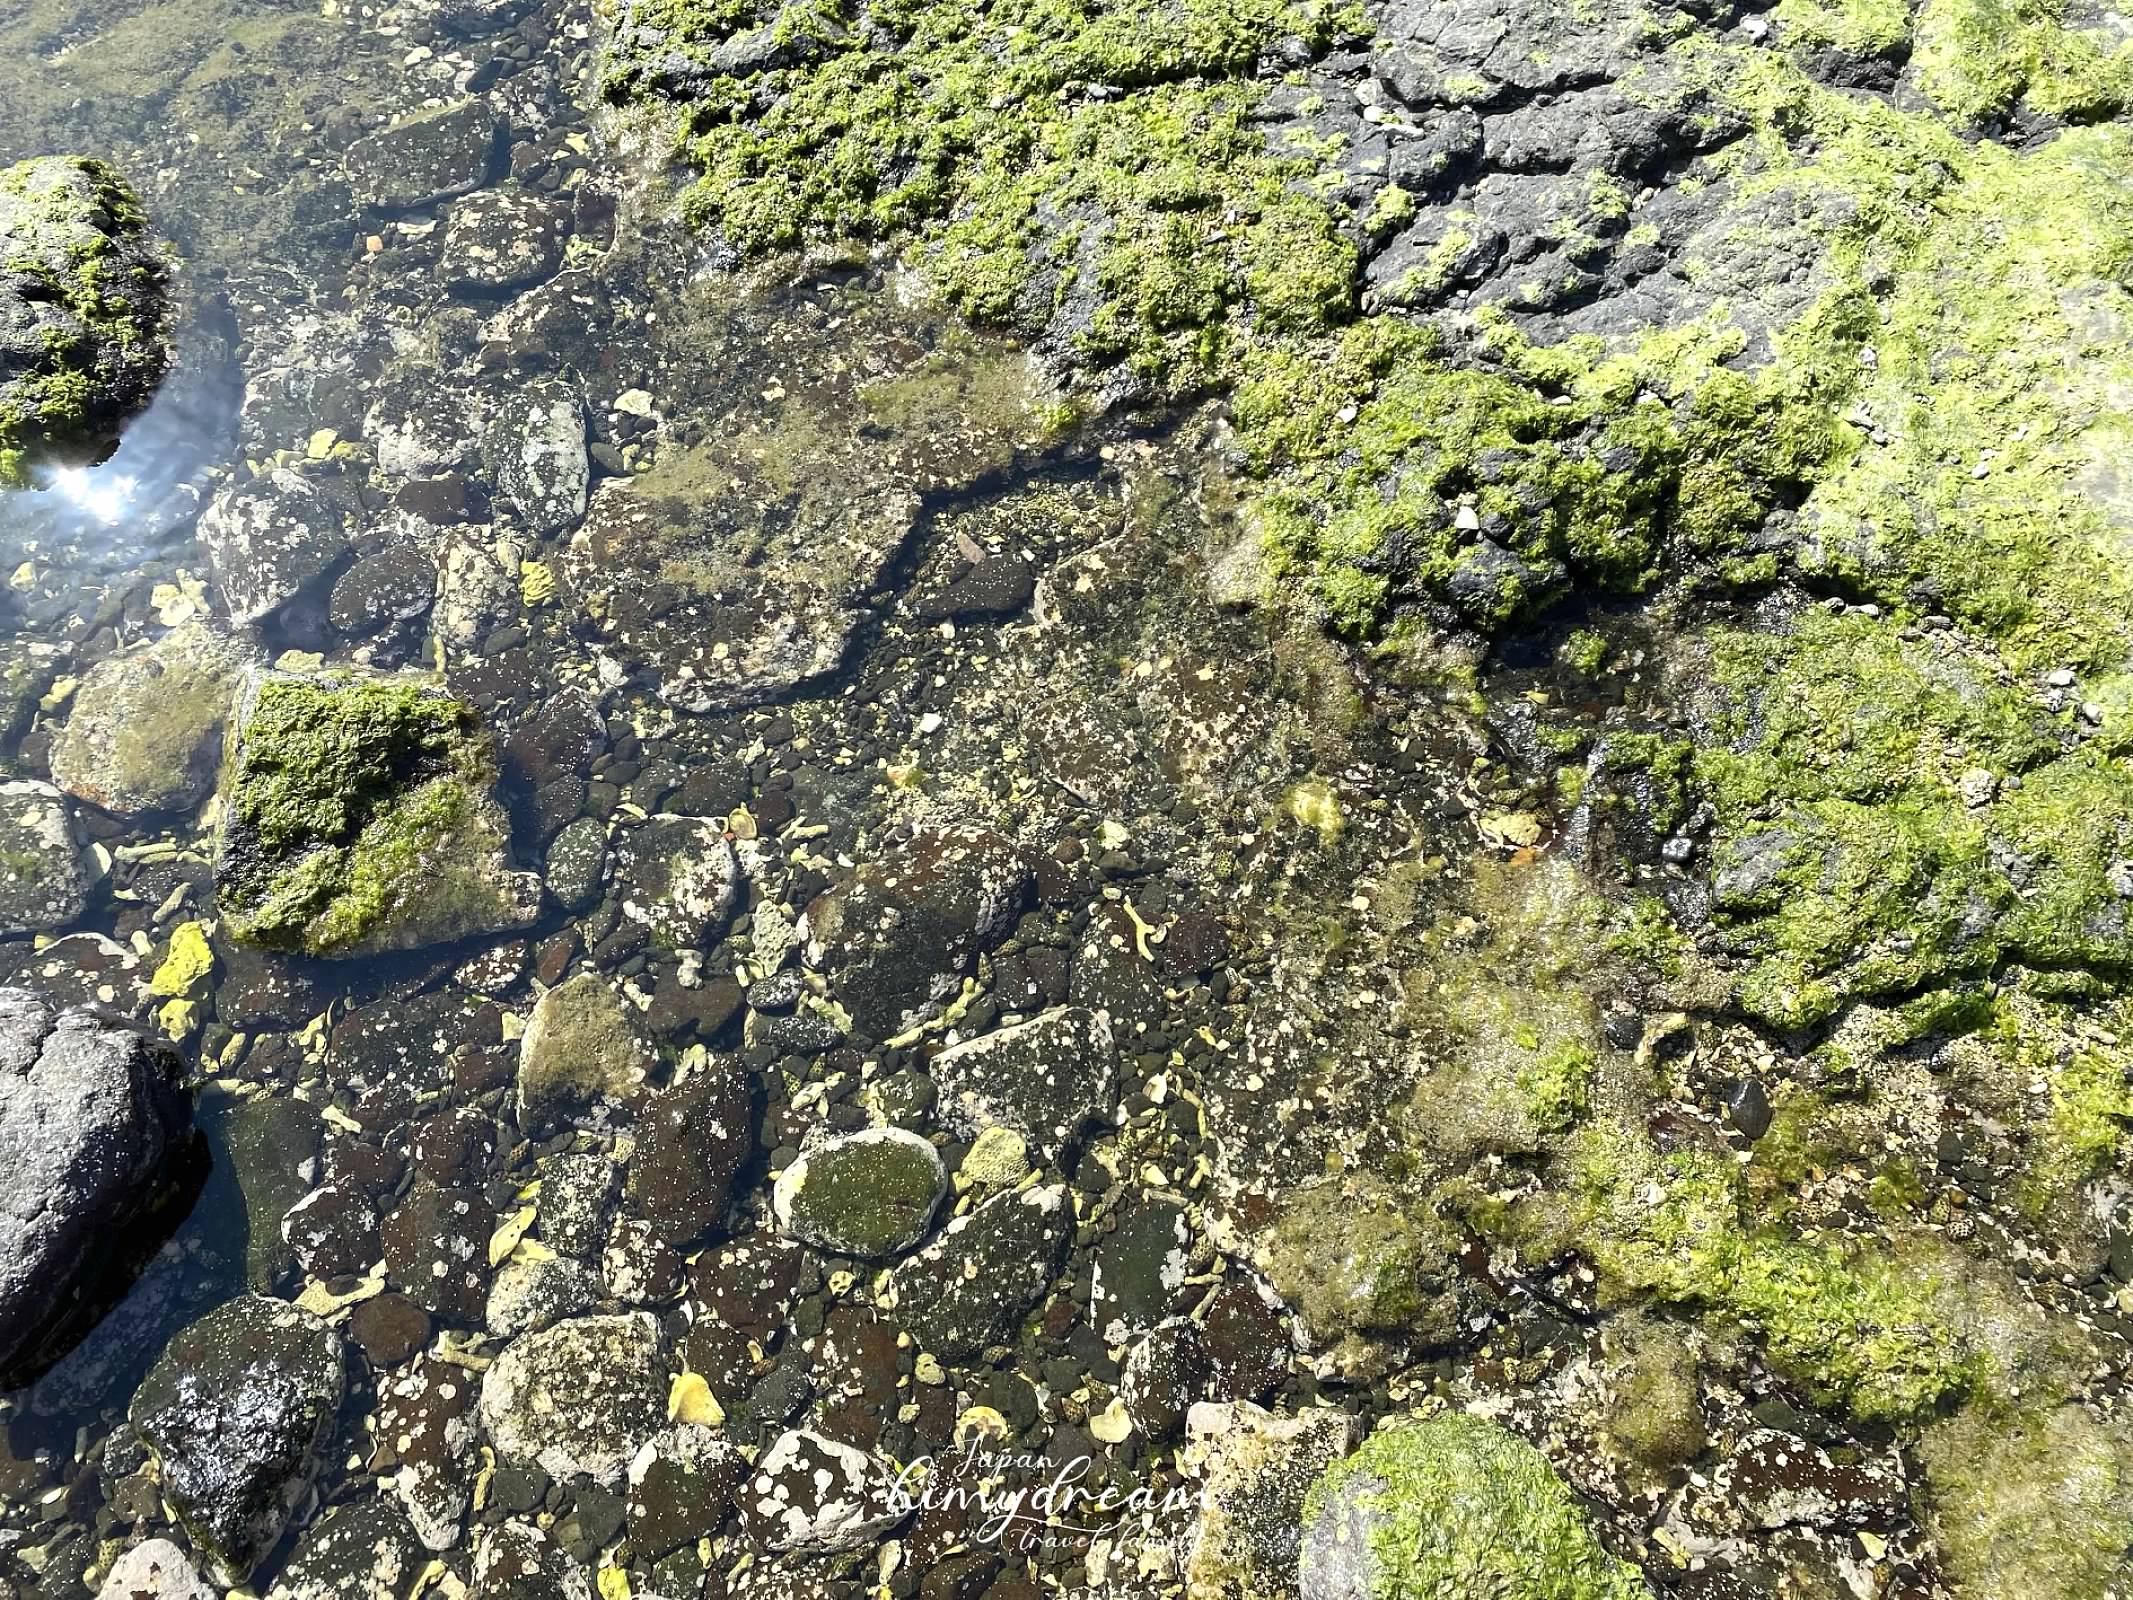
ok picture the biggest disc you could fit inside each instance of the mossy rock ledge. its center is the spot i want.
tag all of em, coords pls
(357, 818)
(84, 312)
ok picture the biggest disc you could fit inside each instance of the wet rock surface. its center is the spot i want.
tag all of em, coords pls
(97, 1131)
(237, 1412)
(85, 312)
(1405, 868)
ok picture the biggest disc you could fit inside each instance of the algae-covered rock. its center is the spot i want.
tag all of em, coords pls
(1452, 1508)
(44, 879)
(582, 1054)
(2036, 1505)
(357, 818)
(144, 731)
(1360, 1268)
(870, 1194)
(84, 312)
(238, 1411)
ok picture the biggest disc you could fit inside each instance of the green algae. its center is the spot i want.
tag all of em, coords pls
(2040, 1503)
(978, 127)
(1454, 1506)
(1855, 1322)
(342, 803)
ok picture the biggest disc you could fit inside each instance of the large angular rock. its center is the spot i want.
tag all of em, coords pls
(579, 1399)
(96, 1138)
(237, 1412)
(144, 730)
(1046, 1079)
(357, 818)
(899, 935)
(64, 221)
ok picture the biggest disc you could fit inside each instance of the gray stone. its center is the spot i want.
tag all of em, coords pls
(972, 1286)
(535, 453)
(94, 1134)
(269, 539)
(155, 1569)
(498, 239)
(579, 1399)
(576, 864)
(361, 1550)
(812, 1494)
(531, 1293)
(680, 878)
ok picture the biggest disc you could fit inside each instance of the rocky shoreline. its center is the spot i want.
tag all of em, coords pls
(1352, 776)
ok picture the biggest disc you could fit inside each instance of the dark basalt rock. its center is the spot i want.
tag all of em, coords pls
(84, 312)
(238, 1412)
(97, 1137)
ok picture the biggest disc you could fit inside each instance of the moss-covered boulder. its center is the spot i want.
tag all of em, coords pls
(1452, 1508)
(357, 818)
(1366, 1273)
(84, 311)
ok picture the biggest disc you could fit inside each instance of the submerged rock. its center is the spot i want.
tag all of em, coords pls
(84, 312)
(428, 157)
(96, 1136)
(272, 538)
(899, 935)
(238, 1411)
(144, 730)
(579, 1399)
(692, 1142)
(1256, 1470)
(871, 1194)
(357, 819)
(535, 453)
(1455, 1507)
(681, 879)
(361, 1550)
(154, 1569)
(1045, 1079)
(581, 1056)
(44, 880)
(810, 1493)
(972, 1286)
